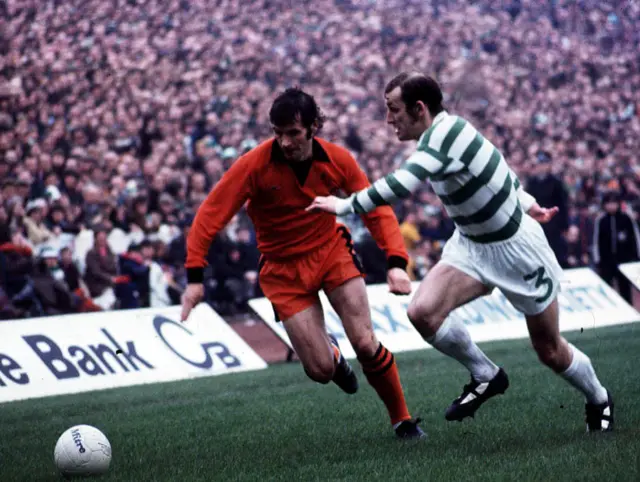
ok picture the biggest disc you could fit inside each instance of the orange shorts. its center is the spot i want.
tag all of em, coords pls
(292, 285)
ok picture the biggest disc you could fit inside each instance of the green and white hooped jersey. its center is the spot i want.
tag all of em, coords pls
(480, 192)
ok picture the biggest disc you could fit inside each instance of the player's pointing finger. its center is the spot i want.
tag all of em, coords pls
(186, 309)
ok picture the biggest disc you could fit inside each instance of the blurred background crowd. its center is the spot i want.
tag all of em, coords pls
(118, 116)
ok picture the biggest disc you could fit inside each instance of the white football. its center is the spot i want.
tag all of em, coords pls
(82, 450)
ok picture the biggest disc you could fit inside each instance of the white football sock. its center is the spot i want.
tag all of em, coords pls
(581, 375)
(453, 339)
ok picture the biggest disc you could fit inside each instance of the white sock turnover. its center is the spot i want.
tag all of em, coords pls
(453, 339)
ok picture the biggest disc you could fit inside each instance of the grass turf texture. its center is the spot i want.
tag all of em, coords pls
(275, 424)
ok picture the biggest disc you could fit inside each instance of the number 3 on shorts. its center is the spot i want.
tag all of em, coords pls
(541, 280)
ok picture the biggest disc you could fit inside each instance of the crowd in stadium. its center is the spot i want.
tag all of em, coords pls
(117, 117)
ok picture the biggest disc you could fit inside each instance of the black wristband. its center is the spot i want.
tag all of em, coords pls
(397, 262)
(195, 275)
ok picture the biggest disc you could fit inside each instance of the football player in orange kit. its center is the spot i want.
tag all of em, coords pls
(303, 253)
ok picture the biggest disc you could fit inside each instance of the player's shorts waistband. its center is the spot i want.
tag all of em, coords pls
(505, 234)
(284, 256)
(524, 228)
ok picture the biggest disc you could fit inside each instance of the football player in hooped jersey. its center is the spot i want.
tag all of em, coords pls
(498, 242)
(304, 253)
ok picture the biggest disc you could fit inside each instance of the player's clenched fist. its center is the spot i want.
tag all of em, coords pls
(190, 298)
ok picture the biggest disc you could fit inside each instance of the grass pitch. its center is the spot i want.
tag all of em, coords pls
(277, 425)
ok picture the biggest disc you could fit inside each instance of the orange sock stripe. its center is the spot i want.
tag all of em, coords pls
(374, 364)
(382, 359)
(384, 355)
(380, 355)
(381, 369)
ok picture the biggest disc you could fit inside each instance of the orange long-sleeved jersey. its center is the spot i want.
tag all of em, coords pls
(276, 205)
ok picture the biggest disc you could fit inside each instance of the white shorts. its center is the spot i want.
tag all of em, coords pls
(523, 267)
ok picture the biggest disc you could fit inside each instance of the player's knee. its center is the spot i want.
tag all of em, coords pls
(550, 353)
(426, 317)
(415, 312)
(320, 372)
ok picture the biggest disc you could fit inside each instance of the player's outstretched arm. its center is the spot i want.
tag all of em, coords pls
(222, 203)
(399, 184)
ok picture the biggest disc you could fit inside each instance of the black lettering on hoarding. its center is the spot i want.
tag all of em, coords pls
(63, 368)
(85, 362)
(51, 355)
(223, 353)
(101, 351)
(220, 350)
(131, 353)
(9, 365)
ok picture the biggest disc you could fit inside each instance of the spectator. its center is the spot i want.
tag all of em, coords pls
(577, 257)
(16, 267)
(236, 273)
(549, 191)
(75, 283)
(135, 293)
(36, 229)
(177, 252)
(616, 241)
(101, 271)
(583, 221)
(52, 293)
(163, 290)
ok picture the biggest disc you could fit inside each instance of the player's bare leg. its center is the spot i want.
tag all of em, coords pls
(378, 364)
(570, 363)
(443, 290)
(309, 339)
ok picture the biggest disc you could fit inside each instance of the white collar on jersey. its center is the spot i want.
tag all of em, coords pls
(442, 115)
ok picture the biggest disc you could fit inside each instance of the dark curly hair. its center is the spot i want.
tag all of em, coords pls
(294, 104)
